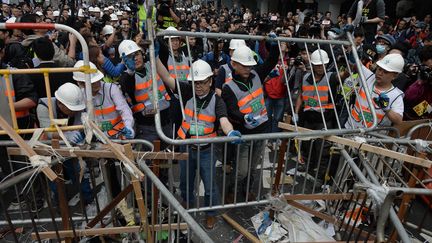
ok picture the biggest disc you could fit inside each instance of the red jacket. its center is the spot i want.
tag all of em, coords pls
(275, 85)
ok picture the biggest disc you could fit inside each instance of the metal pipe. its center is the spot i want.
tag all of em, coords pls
(398, 141)
(120, 141)
(175, 204)
(248, 37)
(384, 213)
(226, 206)
(411, 131)
(45, 220)
(393, 216)
(363, 81)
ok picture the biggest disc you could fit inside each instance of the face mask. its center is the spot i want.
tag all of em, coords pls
(380, 48)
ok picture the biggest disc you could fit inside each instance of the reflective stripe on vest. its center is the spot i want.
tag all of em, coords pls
(144, 94)
(251, 101)
(310, 96)
(228, 72)
(361, 103)
(206, 119)
(106, 114)
(182, 68)
(18, 114)
(168, 22)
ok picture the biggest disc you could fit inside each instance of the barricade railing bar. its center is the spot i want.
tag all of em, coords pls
(338, 129)
(6, 73)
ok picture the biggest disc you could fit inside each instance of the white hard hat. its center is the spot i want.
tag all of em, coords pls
(128, 47)
(244, 55)
(171, 29)
(80, 76)
(236, 43)
(105, 9)
(91, 9)
(201, 71)
(113, 17)
(392, 63)
(39, 13)
(96, 9)
(71, 96)
(56, 13)
(111, 7)
(80, 12)
(107, 30)
(319, 57)
(127, 9)
(119, 13)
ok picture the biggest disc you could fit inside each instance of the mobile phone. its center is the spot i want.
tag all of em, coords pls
(326, 22)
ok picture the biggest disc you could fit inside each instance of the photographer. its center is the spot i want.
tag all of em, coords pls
(418, 96)
(166, 15)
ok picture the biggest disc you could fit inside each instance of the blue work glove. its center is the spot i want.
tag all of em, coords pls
(348, 28)
(250, 120)
(274, 73)
(383, 101)
(237, 134)
(129, 62)
(128, 133)
(273, 36)
(77, 137)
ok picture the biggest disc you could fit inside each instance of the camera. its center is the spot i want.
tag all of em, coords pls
(298, 61)
(425, 73)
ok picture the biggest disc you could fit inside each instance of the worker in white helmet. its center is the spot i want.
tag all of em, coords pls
(112, 113)
(247, 111)
(314, 101)
(387, 99)
(68, 103)
(211, 113)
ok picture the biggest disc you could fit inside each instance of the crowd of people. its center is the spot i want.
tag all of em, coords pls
(241, 87)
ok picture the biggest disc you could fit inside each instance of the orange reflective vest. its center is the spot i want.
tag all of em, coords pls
(310, 96)
(144, 94)
(251, 101)
(106, 114)
(206, 118)
(361, 105)
(181, 68)
(18, 114)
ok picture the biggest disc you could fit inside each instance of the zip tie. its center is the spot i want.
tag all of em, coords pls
(40, 161)
(421, 144)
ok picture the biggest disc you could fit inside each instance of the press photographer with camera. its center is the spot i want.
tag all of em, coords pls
(418, 96)
(166, 15)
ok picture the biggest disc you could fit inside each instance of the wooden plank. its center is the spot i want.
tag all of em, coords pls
(101, 153)
(366, 147)
(240, 229)
(27, 150)
(120, 155)
(110, 206)
(106, 231)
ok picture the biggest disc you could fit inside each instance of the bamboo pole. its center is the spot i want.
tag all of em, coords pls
(11, 101)
(46, 129)
(45, 70)
(240, 229)
(48, 93)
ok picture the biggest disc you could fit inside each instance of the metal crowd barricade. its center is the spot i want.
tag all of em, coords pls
(45, 71)
(351, 183)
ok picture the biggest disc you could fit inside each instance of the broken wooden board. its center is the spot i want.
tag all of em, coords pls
(365, 147)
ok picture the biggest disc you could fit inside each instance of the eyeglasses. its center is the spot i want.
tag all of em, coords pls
(201, 83)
